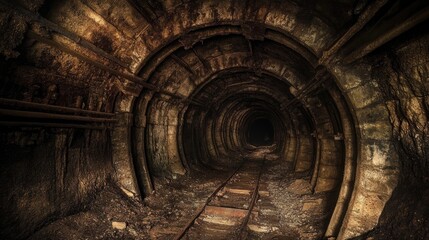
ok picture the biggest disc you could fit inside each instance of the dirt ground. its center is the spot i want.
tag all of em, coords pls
(298, 214)
(159, 217)
(301, 214)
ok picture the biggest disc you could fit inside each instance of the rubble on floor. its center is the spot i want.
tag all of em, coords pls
(112, 215)
(285, 209)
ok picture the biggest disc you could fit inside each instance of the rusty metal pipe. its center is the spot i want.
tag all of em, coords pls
(42, 115)
(53, 125)
(47, 107)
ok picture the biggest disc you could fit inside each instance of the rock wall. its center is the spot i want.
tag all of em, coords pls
(47, 173)
(402, 71)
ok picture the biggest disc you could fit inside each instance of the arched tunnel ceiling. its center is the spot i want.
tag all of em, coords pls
(178, 82)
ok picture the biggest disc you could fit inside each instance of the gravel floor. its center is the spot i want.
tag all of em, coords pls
(159, 217)
(300, 214)
(303, 215)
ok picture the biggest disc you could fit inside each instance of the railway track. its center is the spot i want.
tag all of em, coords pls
(227, 211)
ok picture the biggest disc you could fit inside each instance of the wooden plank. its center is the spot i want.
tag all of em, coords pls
(225, 212)
(238, 191)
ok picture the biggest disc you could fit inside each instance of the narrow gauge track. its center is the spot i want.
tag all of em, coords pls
(226, 212)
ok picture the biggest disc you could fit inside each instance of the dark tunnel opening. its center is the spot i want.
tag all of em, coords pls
(260, 132)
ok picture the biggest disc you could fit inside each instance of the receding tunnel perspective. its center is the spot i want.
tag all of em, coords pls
(259, 132)
(214, 119)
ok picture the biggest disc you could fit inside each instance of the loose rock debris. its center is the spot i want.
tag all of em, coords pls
(285, 209)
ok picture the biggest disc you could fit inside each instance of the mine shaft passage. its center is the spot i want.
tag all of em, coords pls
(300, 119)
(260, 132)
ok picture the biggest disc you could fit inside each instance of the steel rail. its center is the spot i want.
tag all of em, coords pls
(191, 222)
(255, 195)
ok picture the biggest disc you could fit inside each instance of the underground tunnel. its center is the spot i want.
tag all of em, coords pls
(214, 119)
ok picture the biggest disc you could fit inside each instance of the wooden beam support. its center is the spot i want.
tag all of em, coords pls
(182, 63)
(132, 78)
(202, 60)
(363, 19)
(319, 78)
(397, 29)
(34, 17)
(87, 60)
(146, 12)
(328, 55)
